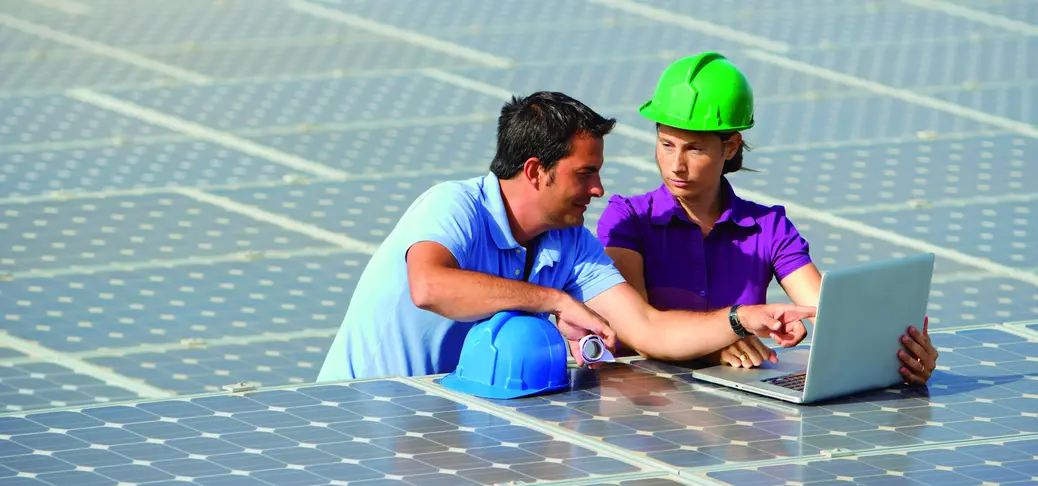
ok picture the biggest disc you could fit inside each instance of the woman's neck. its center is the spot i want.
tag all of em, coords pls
(704, 209)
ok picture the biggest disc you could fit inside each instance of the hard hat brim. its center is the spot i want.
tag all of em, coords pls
(648, 111)
(459, 384)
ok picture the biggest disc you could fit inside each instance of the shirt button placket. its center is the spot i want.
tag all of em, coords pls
(699, 253)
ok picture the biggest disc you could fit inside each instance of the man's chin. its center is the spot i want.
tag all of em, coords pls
(568, 221)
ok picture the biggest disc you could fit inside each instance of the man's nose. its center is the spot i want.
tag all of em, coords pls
(597, 190)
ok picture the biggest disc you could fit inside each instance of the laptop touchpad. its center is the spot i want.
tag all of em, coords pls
(791, 359)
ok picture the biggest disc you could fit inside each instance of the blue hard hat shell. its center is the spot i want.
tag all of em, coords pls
(511, 355)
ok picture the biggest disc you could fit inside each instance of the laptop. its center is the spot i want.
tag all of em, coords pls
(862, 313)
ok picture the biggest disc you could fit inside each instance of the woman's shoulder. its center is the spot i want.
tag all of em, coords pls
(637, 205)
(763, 214)
(771, 219)
(763, 211)
(624, 215)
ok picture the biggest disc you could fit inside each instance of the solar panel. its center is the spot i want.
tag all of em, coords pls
(365, 430)
(626, 422)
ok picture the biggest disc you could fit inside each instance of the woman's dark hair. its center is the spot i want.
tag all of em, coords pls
(734, 164)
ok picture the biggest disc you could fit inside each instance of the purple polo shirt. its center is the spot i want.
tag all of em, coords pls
(749, 245)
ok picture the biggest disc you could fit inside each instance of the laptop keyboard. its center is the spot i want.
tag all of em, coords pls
(793, 381)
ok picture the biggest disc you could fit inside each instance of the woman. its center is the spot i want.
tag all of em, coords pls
(693, 243)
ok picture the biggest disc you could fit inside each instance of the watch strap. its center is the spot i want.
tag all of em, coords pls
(733, 320)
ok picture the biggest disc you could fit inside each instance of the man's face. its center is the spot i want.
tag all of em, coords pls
(575, 180)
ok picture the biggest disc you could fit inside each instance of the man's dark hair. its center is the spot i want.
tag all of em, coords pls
(542, 125)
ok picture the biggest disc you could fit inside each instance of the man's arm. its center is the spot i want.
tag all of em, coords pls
(438, 284)
(670, 335)
(683, 335)
(632, 266)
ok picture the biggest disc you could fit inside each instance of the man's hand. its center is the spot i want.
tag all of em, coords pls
(919, 356)
(781, 322)
(747, 353)
(575, 320)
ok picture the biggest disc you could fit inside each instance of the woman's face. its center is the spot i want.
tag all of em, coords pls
(691, 162)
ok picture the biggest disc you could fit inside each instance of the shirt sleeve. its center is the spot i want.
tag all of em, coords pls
(445, 214)
(618, 226)
(790, 250)
(593, 270)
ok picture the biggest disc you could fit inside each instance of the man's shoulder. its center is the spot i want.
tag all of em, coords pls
(459, 198)
(579, 238)
(460, 190)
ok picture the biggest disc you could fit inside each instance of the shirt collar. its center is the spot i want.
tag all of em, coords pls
(549, 244)
(665, 207)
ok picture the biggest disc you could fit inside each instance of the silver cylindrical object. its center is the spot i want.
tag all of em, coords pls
(593, 349)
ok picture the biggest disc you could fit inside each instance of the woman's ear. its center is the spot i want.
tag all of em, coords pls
(731, 146)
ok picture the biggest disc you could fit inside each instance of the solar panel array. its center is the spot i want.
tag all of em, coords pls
(189, 191)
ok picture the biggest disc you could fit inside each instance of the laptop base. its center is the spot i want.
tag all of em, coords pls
(791, 360)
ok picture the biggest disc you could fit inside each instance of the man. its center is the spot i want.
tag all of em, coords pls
(514, 240)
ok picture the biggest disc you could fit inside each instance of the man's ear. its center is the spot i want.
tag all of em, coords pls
(532, 171)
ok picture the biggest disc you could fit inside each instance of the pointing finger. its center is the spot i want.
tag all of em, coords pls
(800, 312)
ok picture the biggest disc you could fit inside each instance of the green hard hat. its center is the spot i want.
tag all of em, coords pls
(705, 92)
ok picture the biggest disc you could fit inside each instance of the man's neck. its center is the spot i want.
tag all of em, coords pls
(525, 224)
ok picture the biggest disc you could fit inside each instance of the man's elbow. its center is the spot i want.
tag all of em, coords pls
(643, 338)
(420, 298)
(655, 339)
(422, 295)
(651, 351)
(658, 351)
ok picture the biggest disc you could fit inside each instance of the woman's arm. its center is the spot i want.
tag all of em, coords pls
(804, 285)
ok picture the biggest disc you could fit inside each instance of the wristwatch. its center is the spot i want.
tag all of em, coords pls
(733, 319)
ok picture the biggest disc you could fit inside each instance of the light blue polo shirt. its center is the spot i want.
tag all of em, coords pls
(385, 334)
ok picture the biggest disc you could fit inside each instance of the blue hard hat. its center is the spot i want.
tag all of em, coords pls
(510, 355)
